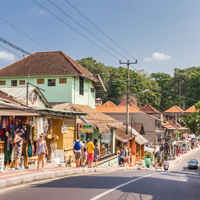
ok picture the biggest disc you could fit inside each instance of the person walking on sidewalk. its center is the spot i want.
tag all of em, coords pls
(90, 147)
(41, 149)
(78, 149)
(84, 154)
(97, 154)
(122, 156)
(18, 147)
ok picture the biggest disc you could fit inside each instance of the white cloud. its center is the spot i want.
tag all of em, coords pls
(158, 56)
(37, 11)
(6, 56)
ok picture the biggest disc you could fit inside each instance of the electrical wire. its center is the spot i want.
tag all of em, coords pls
(23, 33)
(26, 52)
(75, 30)
(10, 51)
(102, 32)
(86, 29)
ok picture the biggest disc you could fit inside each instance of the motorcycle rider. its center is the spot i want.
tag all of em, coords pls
(166, 163)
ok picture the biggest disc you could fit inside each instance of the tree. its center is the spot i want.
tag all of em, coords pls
(192, 121)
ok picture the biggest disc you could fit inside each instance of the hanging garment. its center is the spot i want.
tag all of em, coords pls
(31, 133)
(4, 123)
(30, 152)
(7, 149)
(45, 125)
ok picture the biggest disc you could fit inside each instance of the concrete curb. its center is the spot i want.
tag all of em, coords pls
(57, 174)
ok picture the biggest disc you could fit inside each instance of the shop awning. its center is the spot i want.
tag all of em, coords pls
(17, 113)
(148, 149)
(189, 139)
(139, 138)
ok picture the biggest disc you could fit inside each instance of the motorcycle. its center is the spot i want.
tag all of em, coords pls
(166, 167)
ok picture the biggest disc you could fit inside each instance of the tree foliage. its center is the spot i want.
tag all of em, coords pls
(164, 88)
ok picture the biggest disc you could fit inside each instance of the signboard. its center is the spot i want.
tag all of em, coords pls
(174, 136)
(85, 128)
(1, 162)
(64, 129)
(105, 138)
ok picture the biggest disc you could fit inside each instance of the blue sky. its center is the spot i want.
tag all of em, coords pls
(162, 35)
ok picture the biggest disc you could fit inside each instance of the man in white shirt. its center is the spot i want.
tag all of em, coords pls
(78, 149)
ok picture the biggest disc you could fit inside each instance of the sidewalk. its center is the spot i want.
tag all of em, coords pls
(13, 178)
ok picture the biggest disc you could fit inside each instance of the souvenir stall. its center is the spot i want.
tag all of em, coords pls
(9, 126)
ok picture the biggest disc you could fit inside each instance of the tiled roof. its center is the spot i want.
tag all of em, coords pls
(191, 109)
(39, 68)
(137, 126)
(123, 103)
(147, 108)
(120, 134)
(174, 109)
(116, 109)
(109, 103)
(172, 122)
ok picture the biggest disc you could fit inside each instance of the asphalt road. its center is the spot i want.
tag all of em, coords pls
(177, 184)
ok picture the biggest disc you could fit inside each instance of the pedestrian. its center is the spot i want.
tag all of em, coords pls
(78, 149)
(18, 147)
(90, 148)
(97, 154)
(84, 154)
(122, 155)
(41, 149)
(160, 165)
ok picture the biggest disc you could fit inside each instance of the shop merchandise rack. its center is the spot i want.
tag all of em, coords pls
(1, 147)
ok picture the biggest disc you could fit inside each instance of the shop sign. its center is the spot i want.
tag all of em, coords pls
(172, 143)
(64, 129)
(85, 128)
(105, 138)
(174, 136)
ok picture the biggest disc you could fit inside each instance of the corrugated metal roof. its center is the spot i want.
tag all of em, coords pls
(18, 92)
(139, 138)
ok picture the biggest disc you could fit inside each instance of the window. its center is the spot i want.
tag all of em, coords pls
(40, 81)
(21, 82)
(62, 80)
(51, 82)
(2, 82)
(14, 83)
(81, 86)
(92, 90)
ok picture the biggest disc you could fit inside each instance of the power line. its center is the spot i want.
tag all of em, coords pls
(27, 53)
(85, 29)
(75, 30)
(102, 31)
(10, 51)
(23, 33)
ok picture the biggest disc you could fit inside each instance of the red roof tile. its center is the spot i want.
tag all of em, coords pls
(123, 103)
(191, 109)
(40, 68)
(109, 103)
(147, 108)
(174, 109)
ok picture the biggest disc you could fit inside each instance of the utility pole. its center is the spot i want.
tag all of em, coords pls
(180, 94)
(128, 91)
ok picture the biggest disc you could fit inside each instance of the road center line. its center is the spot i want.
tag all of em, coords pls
(119, 186)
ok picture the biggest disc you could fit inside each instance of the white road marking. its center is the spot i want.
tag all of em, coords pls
(119, 186)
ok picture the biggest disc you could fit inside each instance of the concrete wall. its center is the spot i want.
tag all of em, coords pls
(62, 92)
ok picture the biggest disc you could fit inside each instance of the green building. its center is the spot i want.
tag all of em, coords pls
(63, 79)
